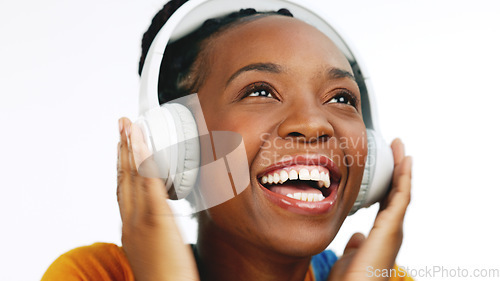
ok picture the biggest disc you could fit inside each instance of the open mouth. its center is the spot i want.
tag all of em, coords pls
(310, 183)
(305, 184)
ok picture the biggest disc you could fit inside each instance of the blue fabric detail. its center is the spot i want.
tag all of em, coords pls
(322, 263)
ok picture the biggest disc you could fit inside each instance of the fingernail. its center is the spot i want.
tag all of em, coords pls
(127, 130)
(120, 125)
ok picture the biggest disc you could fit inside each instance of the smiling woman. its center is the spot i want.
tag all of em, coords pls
(291, 93)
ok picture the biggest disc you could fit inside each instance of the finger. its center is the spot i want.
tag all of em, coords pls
(136, 147)
(124, 151)
(399, 198)
(128, 129)
(398, 151)
(139, 147)
(152, 195)
(123, 175)
(402, 172)
(137, 183)
(402, 187)
(354, 243)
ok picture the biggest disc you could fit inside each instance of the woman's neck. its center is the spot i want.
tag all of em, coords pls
(221, 256)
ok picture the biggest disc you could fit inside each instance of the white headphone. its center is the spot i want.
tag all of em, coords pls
(174, 123)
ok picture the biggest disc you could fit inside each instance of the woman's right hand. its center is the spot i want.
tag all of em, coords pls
(150, 238)
(373, 258)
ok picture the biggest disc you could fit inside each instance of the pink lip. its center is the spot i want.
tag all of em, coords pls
(298, 206)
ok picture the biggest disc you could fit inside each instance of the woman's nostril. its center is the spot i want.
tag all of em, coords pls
(306, 126)
(324, 138)
(295, 135)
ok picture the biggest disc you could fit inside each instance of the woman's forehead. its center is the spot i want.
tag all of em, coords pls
(285, 41)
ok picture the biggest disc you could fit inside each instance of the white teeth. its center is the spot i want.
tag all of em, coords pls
(293, 175)
(270, 179)
(276, 178)
(321, 184)
(325, 178)
(304, 175)
(283, 176)
(315, 175)
(263, 180)
(308, 197)
(303, 196)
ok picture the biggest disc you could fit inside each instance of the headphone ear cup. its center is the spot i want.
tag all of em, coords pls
(377, 175)
(172, 135)
(188, 149)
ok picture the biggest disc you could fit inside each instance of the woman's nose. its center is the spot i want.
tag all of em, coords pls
(306, 123)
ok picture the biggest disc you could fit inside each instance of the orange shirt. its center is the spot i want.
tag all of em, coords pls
(106, 262)
(99, 261)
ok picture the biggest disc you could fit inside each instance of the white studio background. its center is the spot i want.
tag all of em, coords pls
(68, 71)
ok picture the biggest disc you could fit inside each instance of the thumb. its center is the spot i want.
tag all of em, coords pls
(354, 243)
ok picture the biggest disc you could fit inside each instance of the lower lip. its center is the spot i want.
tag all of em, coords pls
(302, 207)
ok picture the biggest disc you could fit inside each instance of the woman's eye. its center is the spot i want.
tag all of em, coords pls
(344, 97)
(260, 93)
(340, 100)
(260, 90)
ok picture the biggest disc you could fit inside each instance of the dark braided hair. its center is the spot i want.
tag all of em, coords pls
(179, 70)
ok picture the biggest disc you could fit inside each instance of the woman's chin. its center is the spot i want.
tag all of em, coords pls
(301, 247)
(299, 239)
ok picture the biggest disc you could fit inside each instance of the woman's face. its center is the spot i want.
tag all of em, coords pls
(288, 90)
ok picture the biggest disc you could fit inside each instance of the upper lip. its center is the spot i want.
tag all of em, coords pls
(306, 159)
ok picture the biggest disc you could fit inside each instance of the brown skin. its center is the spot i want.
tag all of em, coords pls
(247, 237)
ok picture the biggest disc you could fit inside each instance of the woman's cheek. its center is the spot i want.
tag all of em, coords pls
(357, 152)
(253, 144)
(351, 138)
(355, 157)
(248, 127)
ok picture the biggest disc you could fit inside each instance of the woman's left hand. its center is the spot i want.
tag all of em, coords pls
(364, 257)
(151, 240)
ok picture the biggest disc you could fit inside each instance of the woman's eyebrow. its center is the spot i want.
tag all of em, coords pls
(337, 73)
(266, 67)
